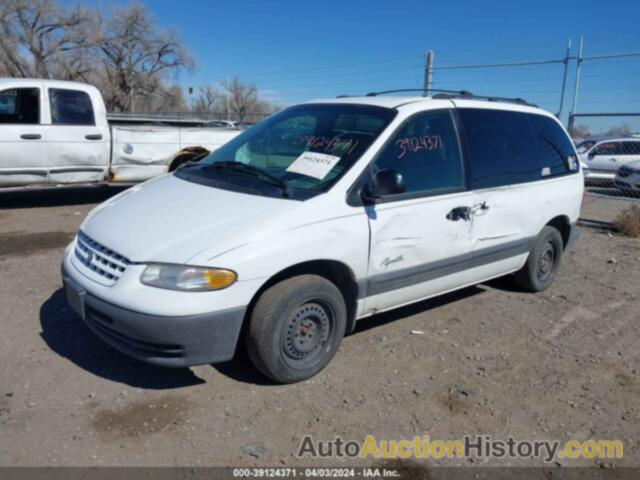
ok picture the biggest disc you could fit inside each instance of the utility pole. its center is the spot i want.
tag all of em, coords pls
(564, 77)
(428, 74)
(228, 94)
(576, 86)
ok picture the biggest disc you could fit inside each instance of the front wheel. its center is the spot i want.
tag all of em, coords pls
(296, 328)
(544, 259)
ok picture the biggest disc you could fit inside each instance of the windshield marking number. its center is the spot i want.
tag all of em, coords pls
(414, 144)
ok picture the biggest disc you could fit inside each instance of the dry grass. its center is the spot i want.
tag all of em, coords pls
(628, 222)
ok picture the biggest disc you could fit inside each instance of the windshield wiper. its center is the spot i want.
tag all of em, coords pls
(250, 169)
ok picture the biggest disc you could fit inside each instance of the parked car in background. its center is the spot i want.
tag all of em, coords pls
(319, 216)
(56, 132)
(601, 158)
(223, 123)
(628, 178)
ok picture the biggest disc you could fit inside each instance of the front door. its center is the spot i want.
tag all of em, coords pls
(606, 158)
(420, 239)
(23, 156)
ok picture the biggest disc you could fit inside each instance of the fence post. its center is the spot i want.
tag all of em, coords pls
(577, 83)
(570, 124)
(564, 76)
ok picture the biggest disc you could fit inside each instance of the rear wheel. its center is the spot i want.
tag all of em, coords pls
(296, 328)
(544, 259)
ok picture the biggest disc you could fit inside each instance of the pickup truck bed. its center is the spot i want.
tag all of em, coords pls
(55, 132)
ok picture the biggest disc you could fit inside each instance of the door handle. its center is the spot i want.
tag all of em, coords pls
(481, 207)
(95, 136)
(31, 136)
(459, 213)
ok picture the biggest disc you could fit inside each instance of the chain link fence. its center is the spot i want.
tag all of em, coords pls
(608, 145)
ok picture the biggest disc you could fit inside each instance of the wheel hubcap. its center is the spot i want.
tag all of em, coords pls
(546, 261)
(307, 332)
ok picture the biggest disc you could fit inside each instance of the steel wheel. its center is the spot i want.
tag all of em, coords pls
(546, 262)
(307, 333)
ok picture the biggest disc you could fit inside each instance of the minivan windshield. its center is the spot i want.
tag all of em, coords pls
(585, 145)
(298, 152)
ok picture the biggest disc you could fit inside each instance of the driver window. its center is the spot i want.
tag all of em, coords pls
(20, 106)
(606, 149)
(425, 152)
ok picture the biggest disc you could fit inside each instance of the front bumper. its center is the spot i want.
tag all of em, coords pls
(160, 340)
(590, 174)
(628, 183)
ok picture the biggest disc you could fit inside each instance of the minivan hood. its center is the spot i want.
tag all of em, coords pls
(171, 220)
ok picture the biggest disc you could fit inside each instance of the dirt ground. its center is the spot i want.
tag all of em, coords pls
(559, 365)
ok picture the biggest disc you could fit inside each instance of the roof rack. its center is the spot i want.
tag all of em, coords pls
(470, 96)
(404, 90)
(452, 94)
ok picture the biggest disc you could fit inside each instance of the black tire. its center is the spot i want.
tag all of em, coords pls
(544, 259)
(296, 327)
(179, 161)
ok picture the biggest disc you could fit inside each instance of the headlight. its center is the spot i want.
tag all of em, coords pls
(184, 277)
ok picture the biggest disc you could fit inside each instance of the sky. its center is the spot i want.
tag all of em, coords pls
(300, 50)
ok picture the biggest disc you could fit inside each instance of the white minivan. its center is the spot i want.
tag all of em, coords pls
(321, 215)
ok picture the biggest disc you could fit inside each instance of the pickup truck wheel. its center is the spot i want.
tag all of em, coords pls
(544, 259)
(296, 328)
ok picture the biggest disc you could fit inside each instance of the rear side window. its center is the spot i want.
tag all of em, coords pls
(631, 148)
(70, 107)
(515, 147)
(557, 155)
(426, 152)
(502, 147)
(20, 106)
(608, 148)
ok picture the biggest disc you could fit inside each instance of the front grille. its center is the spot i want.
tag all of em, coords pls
(99, 259)
(625, 172)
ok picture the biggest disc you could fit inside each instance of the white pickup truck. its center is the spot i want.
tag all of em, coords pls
(56, 132)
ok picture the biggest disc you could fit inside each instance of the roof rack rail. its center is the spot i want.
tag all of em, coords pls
(452, 94)
(489, 98)
(404, 90)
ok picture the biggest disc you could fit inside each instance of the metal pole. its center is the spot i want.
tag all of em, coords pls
(428, 73)
(576, 86)
(564, 77)
(228, 93)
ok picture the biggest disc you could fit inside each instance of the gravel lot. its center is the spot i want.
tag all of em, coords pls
(559, 365)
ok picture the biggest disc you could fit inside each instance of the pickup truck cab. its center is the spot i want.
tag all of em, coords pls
(320, 216)
(56, 132)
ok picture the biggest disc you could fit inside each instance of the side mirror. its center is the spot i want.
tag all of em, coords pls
(385, 182)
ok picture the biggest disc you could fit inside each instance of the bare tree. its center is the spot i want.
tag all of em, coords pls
(164, 99)
(620, 131)
(38, 36)
(123, 53)
(135, 55)
(210, 100)
(244, 102)
(579, 131)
